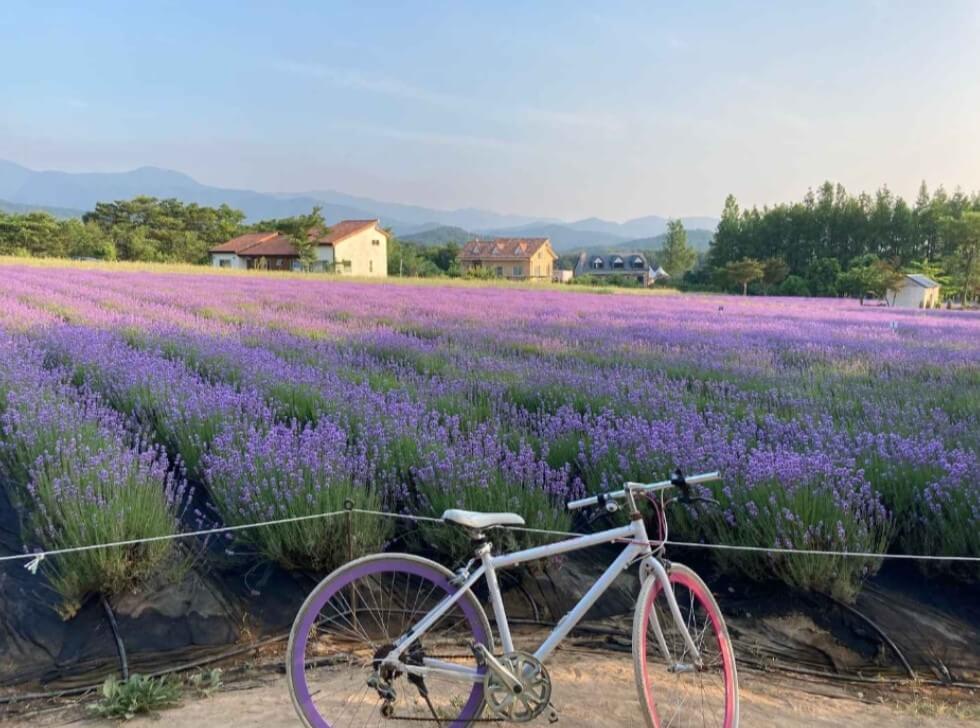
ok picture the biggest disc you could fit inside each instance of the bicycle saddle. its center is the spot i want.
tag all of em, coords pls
(477, 520)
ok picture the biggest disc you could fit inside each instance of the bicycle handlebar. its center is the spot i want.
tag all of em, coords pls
(677, 481)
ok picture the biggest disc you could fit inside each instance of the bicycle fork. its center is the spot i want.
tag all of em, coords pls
(652, 566)
(656, 570)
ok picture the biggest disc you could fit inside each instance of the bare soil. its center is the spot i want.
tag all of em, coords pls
(592, 689)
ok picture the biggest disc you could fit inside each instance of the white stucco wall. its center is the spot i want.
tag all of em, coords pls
(231, 260)
(367, 252)
(912, 295)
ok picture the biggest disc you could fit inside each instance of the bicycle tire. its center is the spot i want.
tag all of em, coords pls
(477, 628)
(679, 683)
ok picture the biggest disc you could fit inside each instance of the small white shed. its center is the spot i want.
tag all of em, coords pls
(915, 291)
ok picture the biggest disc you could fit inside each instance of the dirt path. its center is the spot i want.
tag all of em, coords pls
(596, 690)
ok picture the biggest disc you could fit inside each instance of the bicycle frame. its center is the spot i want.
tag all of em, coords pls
(637, 548)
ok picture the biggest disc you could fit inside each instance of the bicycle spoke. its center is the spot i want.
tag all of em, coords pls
(359, 621)
(688, 692)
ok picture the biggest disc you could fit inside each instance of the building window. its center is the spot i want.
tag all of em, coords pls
(224, 263)
(370, 266)
(617, 262)
(637, 262)
(376, 242)
(518, 270)
(597, 263)
(500, 270)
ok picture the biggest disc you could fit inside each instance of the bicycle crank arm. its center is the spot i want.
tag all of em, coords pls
(501, 672)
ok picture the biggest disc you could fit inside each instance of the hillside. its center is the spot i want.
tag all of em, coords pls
(439, 236)
(81, 190)
(18, 208)
(564, 238)
(698, 239)
(69, 192)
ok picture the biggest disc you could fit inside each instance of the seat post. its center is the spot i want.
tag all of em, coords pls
(496, 598)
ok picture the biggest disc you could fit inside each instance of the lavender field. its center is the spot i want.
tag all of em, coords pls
(139, 403)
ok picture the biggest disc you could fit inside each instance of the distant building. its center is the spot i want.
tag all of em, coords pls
(351, 247)
(514, 258)
(275, 251)
(915, 291)
(624, 265)
(563, 275)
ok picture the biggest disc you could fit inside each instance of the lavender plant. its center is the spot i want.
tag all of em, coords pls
(835, 426)
(295, 471)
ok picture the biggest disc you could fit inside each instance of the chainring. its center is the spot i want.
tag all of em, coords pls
(534, 695)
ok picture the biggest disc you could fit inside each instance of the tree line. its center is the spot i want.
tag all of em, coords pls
(834, 243)
(170, 231)
(141, 229)
(828, 244)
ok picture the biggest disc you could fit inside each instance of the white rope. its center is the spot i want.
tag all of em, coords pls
(819, 552)
(719, 546)
(401, 516)
(38, 556)
(34, 559)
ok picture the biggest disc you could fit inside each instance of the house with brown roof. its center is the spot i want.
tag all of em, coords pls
(349, 247)
(513, 258)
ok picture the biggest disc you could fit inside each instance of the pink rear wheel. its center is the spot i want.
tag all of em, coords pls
(676, 690)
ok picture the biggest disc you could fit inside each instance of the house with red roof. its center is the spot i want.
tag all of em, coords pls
(514, 258)
(349, 247)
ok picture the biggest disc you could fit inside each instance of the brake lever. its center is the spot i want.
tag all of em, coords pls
(709, 501)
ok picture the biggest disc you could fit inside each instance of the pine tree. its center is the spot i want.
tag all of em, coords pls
(676, 257)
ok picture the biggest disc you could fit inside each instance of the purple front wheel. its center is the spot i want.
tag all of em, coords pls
(349, 623)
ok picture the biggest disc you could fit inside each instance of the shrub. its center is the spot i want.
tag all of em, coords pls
(288, 471)
(479, 472)
(90, 491)
(126, 699)
(794, 286)
(82, 477)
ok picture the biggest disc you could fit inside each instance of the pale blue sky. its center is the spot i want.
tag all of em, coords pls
(561, 109)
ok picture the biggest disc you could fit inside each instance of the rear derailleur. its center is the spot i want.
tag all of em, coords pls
(385, 674)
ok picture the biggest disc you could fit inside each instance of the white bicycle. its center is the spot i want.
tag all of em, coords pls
(395, 639)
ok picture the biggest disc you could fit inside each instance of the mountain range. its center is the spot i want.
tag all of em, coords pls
(66, 193)
(563, 239)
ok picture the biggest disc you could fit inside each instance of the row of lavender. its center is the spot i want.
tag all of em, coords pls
(80, 473)
(836, 428)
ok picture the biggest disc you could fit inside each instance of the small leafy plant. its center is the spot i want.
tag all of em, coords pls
(125, 699)
(205, 682)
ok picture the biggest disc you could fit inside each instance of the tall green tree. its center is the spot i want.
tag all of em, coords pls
(676, 257)
(962, 239)
(869, 276)
(146, 228)
(726, 243)
(822, 275)
(302, 231)
(829, 224)
(743, 272)
(774, 272)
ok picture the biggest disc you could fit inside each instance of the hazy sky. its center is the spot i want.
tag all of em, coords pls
(560, 109)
